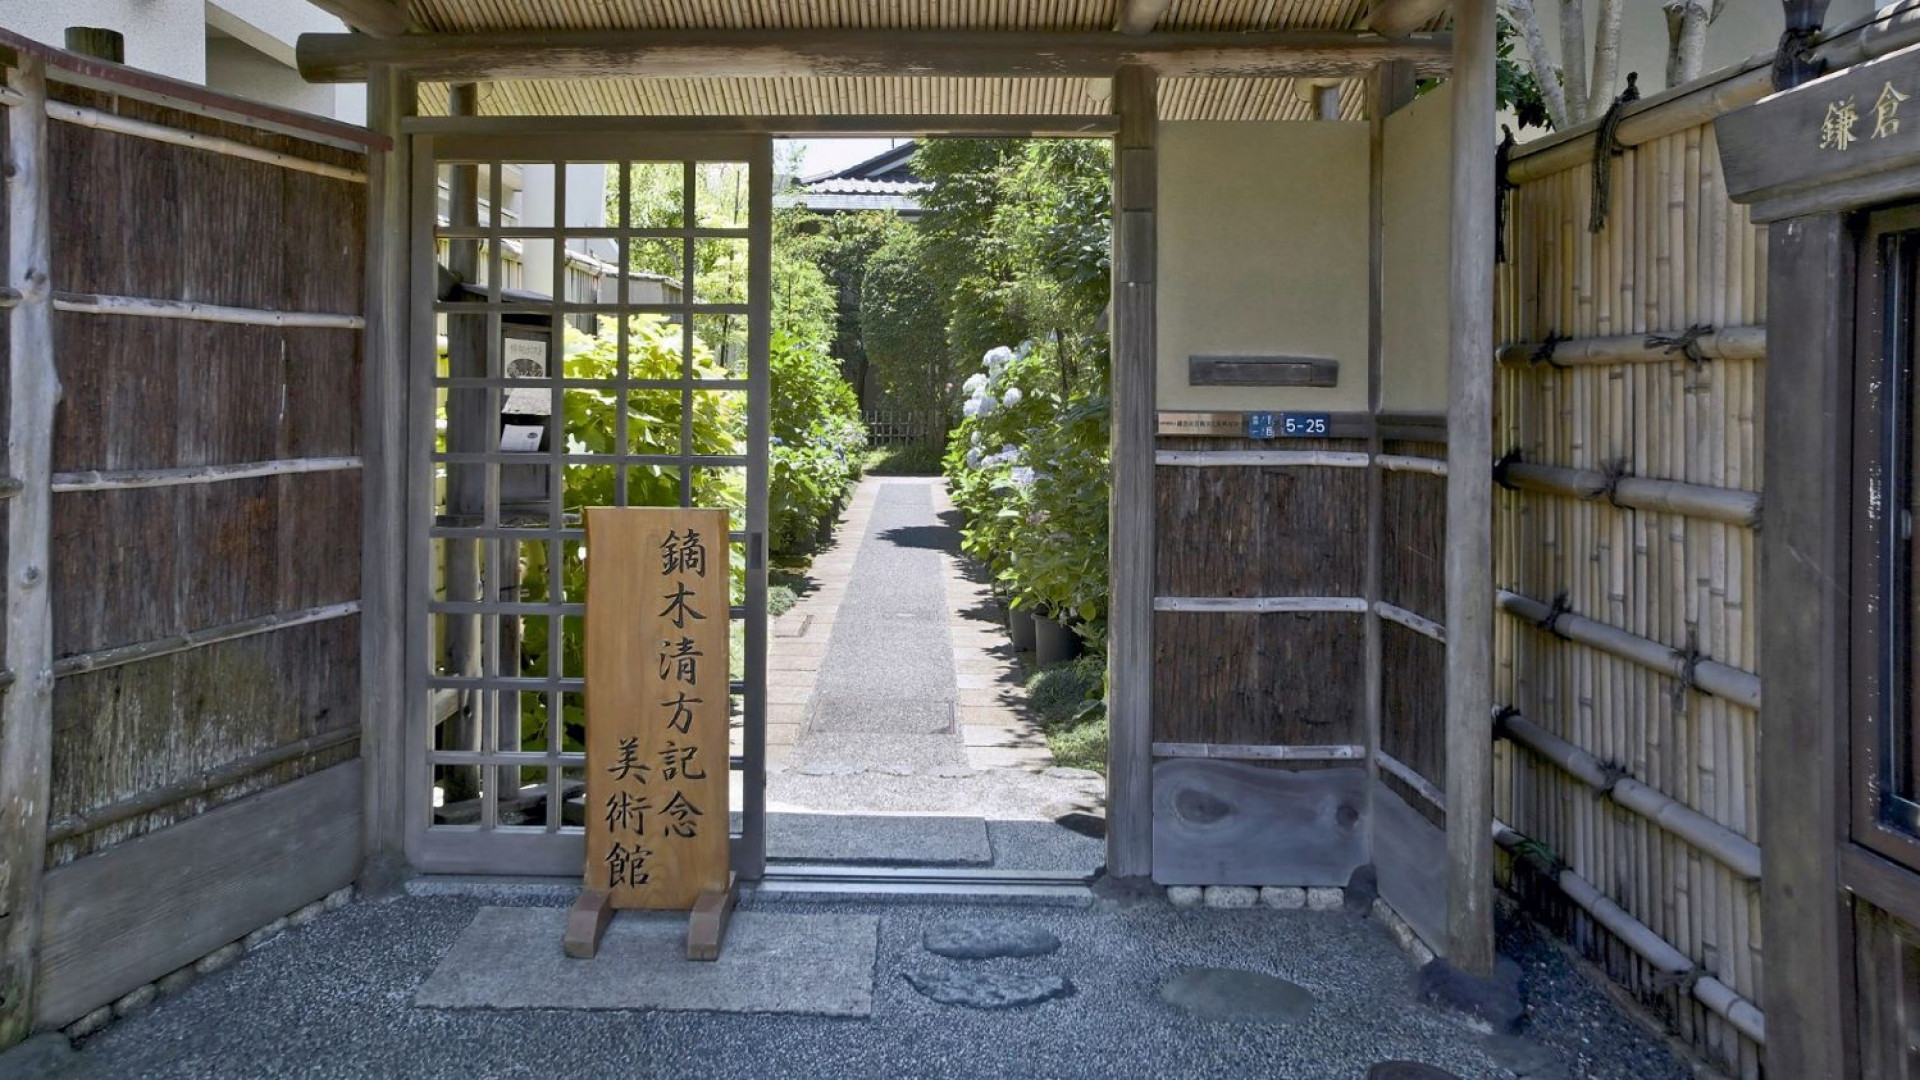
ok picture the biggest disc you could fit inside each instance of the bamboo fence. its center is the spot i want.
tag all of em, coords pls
(1631, 510)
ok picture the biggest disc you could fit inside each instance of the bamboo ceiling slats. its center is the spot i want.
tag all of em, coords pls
(473, 16)
(1180, 99)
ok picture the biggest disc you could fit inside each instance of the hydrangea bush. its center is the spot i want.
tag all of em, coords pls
(1031, 476)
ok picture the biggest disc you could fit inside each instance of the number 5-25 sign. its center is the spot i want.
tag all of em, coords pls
(1266, 425)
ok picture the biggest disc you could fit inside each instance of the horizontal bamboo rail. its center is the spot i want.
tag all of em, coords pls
(1333, 459)
(126, 479)
(231, 773)
(1417, 623)
(1738, 853)
(1640, 493)
(141, 129)
(1261, 604)
(1244, 752)
(1404, 773)
(1404, 463)
(1709, 676)
(88, 304)
(1717, 996)
(195, 639)
(1726, 343)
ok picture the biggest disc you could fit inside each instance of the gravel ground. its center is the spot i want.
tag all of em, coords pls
(1576, 1019)
(333, 1000)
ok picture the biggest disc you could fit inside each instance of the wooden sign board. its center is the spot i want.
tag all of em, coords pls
(657, 705)
(1820, 145)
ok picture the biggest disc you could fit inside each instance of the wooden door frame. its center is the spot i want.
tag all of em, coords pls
(393, 107)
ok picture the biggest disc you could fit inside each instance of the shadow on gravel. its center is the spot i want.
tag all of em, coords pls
(926, 537)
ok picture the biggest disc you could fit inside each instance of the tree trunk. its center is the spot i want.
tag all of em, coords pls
(1522, 15)
(1687, 22)
(1606, 59)
(1573, 53)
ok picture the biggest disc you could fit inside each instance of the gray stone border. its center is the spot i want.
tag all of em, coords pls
(179, 979)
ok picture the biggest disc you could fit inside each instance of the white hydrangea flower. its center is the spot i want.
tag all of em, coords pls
(973, 458)
(1023, 476)
(974, 384)
(997, 357)
(1011, 397)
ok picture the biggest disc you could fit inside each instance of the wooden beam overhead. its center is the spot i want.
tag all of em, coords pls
(1140, 16)
(1398, 18)
(711, 54)
(380, 18)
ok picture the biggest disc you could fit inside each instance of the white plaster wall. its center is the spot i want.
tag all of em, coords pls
(234, 67)
(164, 36)
(1263, 251)
(1416, 251)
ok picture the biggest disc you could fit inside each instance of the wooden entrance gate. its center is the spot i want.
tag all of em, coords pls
(519, 419)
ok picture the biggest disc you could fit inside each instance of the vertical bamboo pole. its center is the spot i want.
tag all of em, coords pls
(1130, 571)
(384, 707)
(1470, 498)
(26, 722)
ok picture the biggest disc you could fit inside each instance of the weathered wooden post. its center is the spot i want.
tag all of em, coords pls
(384, 708)
(467, 428)
(1131, 510)
(98, 42)
(1469, 562)
(26, 723)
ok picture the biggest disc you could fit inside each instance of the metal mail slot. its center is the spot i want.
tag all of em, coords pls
(1262, 371)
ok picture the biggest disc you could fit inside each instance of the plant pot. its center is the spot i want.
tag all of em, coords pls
(1054, 642)
(1020, 629)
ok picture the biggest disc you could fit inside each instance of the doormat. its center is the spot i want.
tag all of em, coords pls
(510, 958)
(895, 839)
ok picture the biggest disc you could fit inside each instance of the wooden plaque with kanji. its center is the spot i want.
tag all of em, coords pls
(657, 704)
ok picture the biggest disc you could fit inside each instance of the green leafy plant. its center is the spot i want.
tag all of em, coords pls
(653, 427)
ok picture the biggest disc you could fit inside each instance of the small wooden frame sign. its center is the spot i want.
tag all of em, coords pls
(657, 707)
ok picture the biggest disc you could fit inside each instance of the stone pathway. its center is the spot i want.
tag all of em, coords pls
(892, 688)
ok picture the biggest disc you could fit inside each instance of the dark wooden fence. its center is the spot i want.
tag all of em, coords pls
(179, 756)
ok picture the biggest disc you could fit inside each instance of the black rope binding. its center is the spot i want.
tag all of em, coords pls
(1681, 982)
(1615, 471)
(1550, 621)
(1500, 717)
(1605, 146)
(1544, 353)
(1686, 342)
(1612, 774)
(1500, 467)
(1689, 665)
(1794, 61)
(1502, 157)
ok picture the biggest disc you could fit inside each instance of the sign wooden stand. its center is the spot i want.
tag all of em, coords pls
(657, 703)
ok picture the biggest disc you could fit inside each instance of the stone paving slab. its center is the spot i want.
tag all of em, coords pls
(898, 839)
(510, 958)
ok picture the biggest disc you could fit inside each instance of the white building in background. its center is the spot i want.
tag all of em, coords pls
(238, 47)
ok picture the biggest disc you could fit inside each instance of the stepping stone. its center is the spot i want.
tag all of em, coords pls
(1235, 996)
(1064, 772)
(987, 941)
(1408, 1070)
(977, 989)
